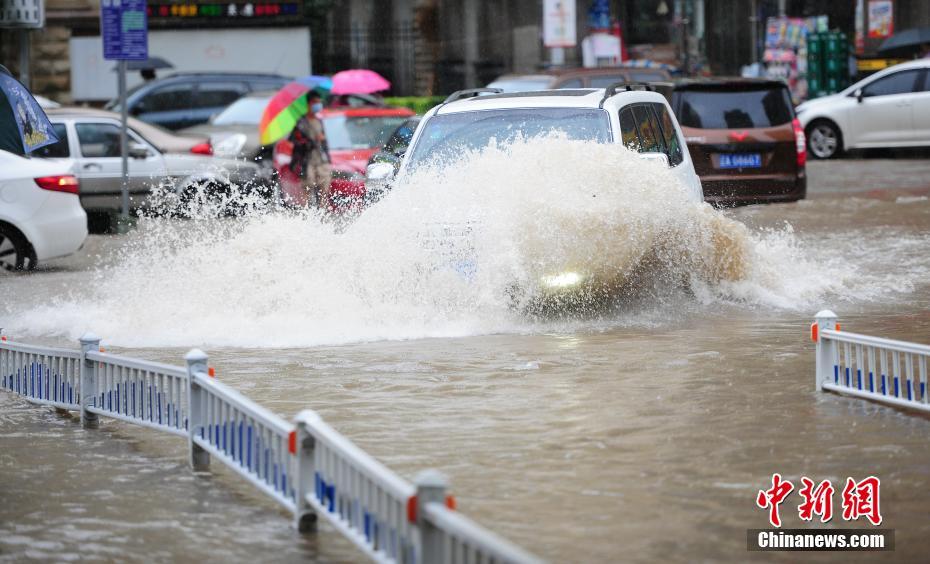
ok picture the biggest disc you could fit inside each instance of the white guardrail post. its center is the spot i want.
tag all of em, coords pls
(196, 362)
(431, 488)
(826, 348)
(89, 343)
(304, 516)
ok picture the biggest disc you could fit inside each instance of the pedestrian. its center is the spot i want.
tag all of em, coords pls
(310, 157)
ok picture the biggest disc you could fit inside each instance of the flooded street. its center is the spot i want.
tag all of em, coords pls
(638, 433)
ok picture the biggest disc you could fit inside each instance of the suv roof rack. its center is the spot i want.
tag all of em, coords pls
(470, 93)
(623, 86)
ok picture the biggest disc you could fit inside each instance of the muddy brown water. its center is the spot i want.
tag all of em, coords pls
(642, 437)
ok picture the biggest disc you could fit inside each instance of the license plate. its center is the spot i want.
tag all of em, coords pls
(466, 268)
(740, 160)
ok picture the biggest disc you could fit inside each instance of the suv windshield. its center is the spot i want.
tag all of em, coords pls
(726, 108)
(244, 111)
(452, 134)
(359, 132)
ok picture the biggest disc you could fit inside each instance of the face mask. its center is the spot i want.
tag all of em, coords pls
(317, 107)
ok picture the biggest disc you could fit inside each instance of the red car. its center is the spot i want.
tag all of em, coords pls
(353, 135)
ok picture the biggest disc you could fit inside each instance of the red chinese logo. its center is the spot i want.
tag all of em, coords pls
(860, 499)
(773, 497)
(817, 501)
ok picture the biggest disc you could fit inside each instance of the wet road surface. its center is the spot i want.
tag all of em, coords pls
(641, 436)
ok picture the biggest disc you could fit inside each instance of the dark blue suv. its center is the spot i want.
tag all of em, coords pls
(185, 99)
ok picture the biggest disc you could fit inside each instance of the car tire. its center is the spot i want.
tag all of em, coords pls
(824, 140)
(16, 253)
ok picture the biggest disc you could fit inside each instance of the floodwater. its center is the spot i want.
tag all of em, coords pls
(639, 432)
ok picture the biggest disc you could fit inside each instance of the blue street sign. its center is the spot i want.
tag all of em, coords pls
(124, 27)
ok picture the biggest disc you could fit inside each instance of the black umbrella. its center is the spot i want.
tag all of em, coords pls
(905, 43)
(152, 63)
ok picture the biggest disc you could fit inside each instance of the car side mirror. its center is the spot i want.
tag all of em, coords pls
(138, 151)
(859, 95)
(378, 177)
(657, 157)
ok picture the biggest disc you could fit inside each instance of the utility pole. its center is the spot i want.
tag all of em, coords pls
(754, 31)
(24, 49)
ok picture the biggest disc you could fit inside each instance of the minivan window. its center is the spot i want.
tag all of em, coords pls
(898, 83)
(218, 94)
(452, 134)
(166, 99)
(726, 108)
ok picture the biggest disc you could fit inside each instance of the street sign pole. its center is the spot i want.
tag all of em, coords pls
(124, 27)
(124, 143)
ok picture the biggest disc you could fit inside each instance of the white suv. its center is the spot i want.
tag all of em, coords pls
(473, 119)
(620, 113)
(891, 108)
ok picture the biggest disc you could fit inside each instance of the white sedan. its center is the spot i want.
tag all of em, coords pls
(40, 215)
(891, 108)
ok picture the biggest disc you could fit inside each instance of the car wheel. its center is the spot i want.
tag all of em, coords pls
(15, 252)
(824, 140)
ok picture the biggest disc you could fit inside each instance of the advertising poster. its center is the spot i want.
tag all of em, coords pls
(860, 28)
(559, 23)
(881, 18)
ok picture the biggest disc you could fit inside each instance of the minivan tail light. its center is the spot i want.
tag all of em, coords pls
(800, 142)
(65, 183)
(202, 149)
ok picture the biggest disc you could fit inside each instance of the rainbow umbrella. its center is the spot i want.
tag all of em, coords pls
(288, 106)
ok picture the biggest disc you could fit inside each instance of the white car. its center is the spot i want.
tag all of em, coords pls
(891, 108)
(639, 118)
(40, 215)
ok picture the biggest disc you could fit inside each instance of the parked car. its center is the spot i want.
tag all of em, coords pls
(353, 136)
(41, 217)
(746, 144)
(394, 149)
(890, 108)
(91, 138)
(600, 77)
(233, 133)
(186, 99)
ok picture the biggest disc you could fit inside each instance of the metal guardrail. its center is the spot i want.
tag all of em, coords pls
(883, 370)
(306, 466)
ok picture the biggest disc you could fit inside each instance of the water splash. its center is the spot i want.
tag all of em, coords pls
(457, 250)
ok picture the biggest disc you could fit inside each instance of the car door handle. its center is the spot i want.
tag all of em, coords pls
(92, 166)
